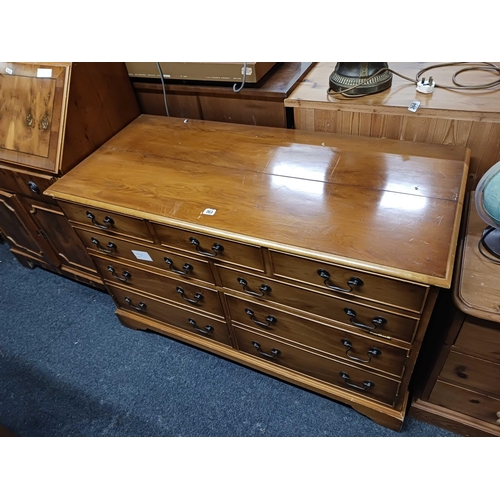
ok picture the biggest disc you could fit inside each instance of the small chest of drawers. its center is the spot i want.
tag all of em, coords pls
(285, 251)
(462, 387)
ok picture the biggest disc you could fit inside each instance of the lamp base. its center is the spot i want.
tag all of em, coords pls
(490, 239)
(347, 75)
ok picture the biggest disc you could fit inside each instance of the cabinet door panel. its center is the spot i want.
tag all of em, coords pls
(29, 102)
(63, 238)
(16, 227)
(31, 106)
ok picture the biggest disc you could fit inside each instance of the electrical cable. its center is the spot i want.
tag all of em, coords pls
(485, 66)
(243, 80)
(163, 88)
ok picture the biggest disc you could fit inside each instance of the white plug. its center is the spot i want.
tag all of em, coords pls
(426, 86)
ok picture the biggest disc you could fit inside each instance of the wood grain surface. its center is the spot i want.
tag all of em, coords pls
(385, 206)
(456, 117)
(476, 289)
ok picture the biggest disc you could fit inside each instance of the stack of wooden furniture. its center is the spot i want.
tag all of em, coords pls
(462, 389)
(311, 257)
(53, 115)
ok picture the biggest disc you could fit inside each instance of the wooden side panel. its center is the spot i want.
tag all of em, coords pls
(101, 102)
(69, 249)
(17, 228)
(481, 137)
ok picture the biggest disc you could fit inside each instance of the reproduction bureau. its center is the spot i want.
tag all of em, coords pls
(314, 258)
(52, 115)
(462, 391)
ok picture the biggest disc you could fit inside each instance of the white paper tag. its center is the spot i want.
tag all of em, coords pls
(44, 73)
(209, 211)
(8, 70)
(140, 255)
(414, 106)
(249, 71)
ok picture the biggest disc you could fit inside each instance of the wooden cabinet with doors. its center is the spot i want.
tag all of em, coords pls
(53, 115)
(17, 227)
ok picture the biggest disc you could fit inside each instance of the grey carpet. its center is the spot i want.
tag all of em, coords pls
(69, 368)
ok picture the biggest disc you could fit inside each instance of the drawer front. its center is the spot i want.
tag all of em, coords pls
(188, 320)
(351, 348)
(211, 246)
(176, 264)
(106, 221)
(471, 372)
(335, 279)
(26, 183)
(364, 319)
(182, 292)
(480, 336)
(322, 368)
(468, 402)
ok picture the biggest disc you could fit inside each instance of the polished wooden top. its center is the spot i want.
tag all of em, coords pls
(386, 206)
(475, 287)
(312, 93)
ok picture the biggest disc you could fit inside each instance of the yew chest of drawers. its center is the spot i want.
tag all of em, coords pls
(311, 257)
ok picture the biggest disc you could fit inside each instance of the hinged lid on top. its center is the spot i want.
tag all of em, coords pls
(385, 206)
(32, 113)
